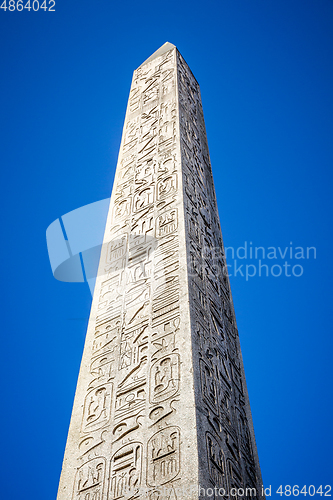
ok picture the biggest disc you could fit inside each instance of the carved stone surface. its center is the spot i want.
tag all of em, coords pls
(161, 404)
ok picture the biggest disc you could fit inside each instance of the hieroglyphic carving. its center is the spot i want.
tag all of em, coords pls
(163, 208)
(119, 386)
(216, 339)
(89, 480)
(209, 386)
(163, 454)
(97, 408)
(167, 223)
(163, 493)
(216, 462)
(164, 378)
(133, 345)
(126, 472)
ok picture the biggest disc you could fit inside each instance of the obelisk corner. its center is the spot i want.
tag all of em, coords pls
(159, 52)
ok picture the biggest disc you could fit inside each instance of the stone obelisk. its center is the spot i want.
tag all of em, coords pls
(161, 409)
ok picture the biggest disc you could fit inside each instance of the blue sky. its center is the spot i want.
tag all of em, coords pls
(266, 76)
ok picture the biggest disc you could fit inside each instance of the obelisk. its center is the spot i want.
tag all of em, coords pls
(161, 409)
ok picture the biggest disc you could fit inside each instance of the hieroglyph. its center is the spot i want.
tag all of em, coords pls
(161, 404)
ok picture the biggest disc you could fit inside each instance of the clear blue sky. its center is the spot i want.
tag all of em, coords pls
(266, 76)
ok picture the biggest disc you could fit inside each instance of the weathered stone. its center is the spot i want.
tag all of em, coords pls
(161, 405)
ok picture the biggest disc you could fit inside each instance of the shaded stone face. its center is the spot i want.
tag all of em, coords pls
(161, 406)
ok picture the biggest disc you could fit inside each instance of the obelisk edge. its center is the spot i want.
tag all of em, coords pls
(159, 52)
